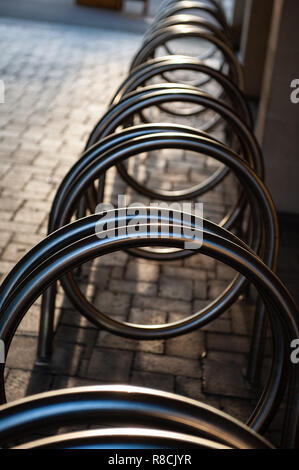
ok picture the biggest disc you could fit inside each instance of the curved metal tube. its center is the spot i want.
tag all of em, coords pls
(214, 3)
(162, 65)
(125, 406)
(123, 438)
(178, 7)
(188, 20)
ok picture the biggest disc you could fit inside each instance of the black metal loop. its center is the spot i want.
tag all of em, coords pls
(162, 65)
(182, 5)
(177, 418)
(179, 422)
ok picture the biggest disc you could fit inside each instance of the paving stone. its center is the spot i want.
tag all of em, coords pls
(114, 259)
(190, 345)
(147, 316)
(216, 288)
(143, 288)
(31, 239)
(175, 289)
(167, 365)
(239, 409)
(110, 365)
(64, 381)
(204, 263)
(219, 325)
(185, 273)
(4, 238)
(16, 384)
(200, 290)
(14, 252)
(147, 272)
(95, 274)
(40, 381)
(73, 318)
(30, 323)
(62, 301)
(224, 378)
(5, 268)
(198, 305)
(165, 305)
(150, 380)
(20, 227)
(117, 273)
(31, 216)
(224, 272)
(108, 340)
(191, 388)
(10, 205)
(66, 358)
(222, 342)
(35, 186)
(71, 334)
(242, 316)
(112, 303)
(22, 353)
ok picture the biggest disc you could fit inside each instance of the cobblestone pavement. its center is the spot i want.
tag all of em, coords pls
(59, 80)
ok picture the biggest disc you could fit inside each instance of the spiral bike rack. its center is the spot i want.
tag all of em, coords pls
(67, 247)
(137, 101)
(159, 36)
(250, 148)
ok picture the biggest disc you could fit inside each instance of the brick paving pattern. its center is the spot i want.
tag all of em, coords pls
(59, 81)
